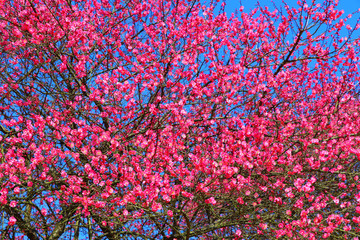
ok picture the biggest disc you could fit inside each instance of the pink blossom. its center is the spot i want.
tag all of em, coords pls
(170, 213)
(12, 221)
(16, 190)
(13, 203)
(240, 200)
(347, 227)
(44, 212)
(156, 207)
(125, 213)
(211, 201)
(100, 204)
(263, 226)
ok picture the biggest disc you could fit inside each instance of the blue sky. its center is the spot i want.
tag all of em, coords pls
(349, 6)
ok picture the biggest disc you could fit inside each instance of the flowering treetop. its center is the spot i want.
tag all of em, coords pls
(164, 120)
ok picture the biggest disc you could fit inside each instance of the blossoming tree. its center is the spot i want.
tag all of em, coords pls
(166, 119)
